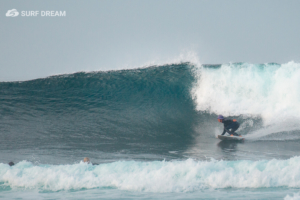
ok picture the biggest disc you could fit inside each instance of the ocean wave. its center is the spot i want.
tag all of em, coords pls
(149, 107)
(169, 104)
(156, 176)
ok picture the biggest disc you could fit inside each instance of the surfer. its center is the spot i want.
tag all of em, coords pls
(230, 125)
(87, 160)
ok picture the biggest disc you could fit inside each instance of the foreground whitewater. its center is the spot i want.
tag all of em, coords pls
(155, 176)
(153, 133)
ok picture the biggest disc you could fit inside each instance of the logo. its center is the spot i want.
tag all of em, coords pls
(36, 13)
(12, 13)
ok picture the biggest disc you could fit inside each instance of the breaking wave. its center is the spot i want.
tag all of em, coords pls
(157, 176)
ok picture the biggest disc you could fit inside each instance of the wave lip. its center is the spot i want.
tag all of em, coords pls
(249, 89)
(157, 176)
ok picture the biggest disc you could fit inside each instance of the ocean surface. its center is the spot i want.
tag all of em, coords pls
(152, 133)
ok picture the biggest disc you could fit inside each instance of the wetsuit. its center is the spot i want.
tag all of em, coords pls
(233, 125)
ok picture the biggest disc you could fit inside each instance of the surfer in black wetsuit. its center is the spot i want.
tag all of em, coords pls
(230, 125)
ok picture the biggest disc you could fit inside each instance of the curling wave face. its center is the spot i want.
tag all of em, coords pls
(101, 111)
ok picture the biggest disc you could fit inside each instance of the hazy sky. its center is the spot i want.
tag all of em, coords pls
(103, 35)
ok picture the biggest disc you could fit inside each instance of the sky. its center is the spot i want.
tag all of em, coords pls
(110, 35)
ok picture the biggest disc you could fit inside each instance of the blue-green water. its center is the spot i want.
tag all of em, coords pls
(153, 133)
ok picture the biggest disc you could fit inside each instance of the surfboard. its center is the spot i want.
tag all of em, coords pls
(223, 137)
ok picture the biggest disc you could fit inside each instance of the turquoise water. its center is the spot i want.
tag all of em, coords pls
(152, 134)
(279, 193)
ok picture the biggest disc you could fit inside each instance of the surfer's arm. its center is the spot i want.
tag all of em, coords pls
(224, 131)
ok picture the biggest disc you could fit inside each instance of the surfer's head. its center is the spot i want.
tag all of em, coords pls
(86, 160)
(11, 163)
(220, 118)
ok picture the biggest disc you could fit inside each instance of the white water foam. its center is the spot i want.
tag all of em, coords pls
(296, 196)
(269, 91)
(157, 176)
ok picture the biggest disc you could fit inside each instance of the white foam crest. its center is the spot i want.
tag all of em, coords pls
(296, 196)
(158, 176)
(183, 57)
(186, 56)
(269, 91)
